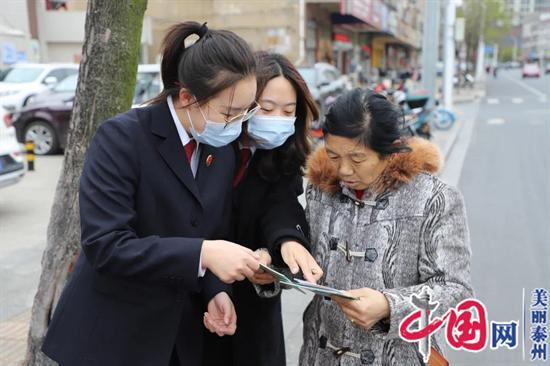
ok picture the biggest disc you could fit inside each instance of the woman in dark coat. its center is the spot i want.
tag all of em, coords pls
(267, 216)
(155, 197)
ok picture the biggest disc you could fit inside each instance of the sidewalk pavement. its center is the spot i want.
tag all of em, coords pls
(465, 95)
(13, 331)
(13, 339)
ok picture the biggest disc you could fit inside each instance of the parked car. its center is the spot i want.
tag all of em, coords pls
(23, 81)
(3, 73)
(12, 167)
(325, 83)
(47, 117)
(531, 69)
(148, 84)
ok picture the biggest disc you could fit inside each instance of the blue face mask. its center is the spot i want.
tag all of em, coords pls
(270, 132)
(216, 134)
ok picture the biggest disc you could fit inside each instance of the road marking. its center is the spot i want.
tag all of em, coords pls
(493, 101)
(542, 99)
(495, 121)
(517, 100)
(538, 93)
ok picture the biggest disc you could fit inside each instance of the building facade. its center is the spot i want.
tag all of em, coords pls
(351, 34)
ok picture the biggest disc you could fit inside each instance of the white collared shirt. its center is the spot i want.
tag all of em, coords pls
(184, 137)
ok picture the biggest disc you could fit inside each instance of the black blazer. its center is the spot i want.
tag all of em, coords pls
(265, 214)
(135, 293)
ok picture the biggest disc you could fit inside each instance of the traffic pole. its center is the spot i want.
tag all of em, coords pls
(29, 146)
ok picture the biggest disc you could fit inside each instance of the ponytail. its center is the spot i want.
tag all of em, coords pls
(216, 61)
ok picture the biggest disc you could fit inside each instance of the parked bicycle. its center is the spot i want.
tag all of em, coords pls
(421, 113)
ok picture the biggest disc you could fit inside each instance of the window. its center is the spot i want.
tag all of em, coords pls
(23, 74)
(61, 74)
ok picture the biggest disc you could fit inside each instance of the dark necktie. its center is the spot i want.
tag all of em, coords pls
(246, 154)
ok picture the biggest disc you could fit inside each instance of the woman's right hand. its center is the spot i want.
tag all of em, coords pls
(297, 258)
(230, 262)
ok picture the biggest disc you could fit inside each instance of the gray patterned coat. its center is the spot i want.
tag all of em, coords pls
(412, 230)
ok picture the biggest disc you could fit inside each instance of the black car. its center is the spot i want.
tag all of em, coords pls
(47, 117)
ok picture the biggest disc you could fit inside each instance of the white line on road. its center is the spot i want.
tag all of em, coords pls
(538, 93)
(493, 101)
(495, 121)
(517, 100)
(543, 99)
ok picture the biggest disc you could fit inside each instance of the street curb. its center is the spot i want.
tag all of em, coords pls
(475, 96)
(446, 151)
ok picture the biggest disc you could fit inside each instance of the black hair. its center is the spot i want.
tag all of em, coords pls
(368, 117)
(216, 61)
(290, 158)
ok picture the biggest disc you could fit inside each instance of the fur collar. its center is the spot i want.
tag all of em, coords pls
(402, 167)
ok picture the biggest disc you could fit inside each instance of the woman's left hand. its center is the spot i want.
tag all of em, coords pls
(261, 277)
(221, 317)
(371, 307)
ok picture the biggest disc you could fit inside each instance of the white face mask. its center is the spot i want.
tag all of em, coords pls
(216, 134)
(270, 132)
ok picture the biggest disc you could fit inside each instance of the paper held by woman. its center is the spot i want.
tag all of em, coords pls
(301, 285)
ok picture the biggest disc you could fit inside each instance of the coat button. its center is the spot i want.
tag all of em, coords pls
(371, 254)
(194, 222)
(367, 357)
(323, 342)
(382, 204)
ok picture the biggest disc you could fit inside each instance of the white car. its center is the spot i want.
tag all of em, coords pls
(531, 69)
(148, 84)
(12, 167)
(23, 81)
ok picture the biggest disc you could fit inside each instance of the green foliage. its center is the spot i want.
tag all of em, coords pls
(489, 17)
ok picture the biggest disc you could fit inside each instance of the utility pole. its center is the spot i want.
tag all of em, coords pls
(430, 45)
(481, 46)
(449, 57)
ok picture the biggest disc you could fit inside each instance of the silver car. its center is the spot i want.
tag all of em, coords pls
(12, 167)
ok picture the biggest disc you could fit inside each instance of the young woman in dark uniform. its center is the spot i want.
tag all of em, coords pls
(155, 195)
(267, 216)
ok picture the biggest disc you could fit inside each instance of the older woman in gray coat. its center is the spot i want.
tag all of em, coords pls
(383, 226)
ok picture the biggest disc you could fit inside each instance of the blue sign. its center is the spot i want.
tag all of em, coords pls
(22, 56)
(9, 53)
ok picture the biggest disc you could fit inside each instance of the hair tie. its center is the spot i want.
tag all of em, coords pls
(192, 38)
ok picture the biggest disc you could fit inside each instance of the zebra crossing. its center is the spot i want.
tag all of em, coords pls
(514, 100)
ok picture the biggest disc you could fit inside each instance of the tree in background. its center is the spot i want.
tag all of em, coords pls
(487, 16)
(105, 88)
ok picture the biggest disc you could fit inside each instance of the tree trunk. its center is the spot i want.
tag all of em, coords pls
(106, 84)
